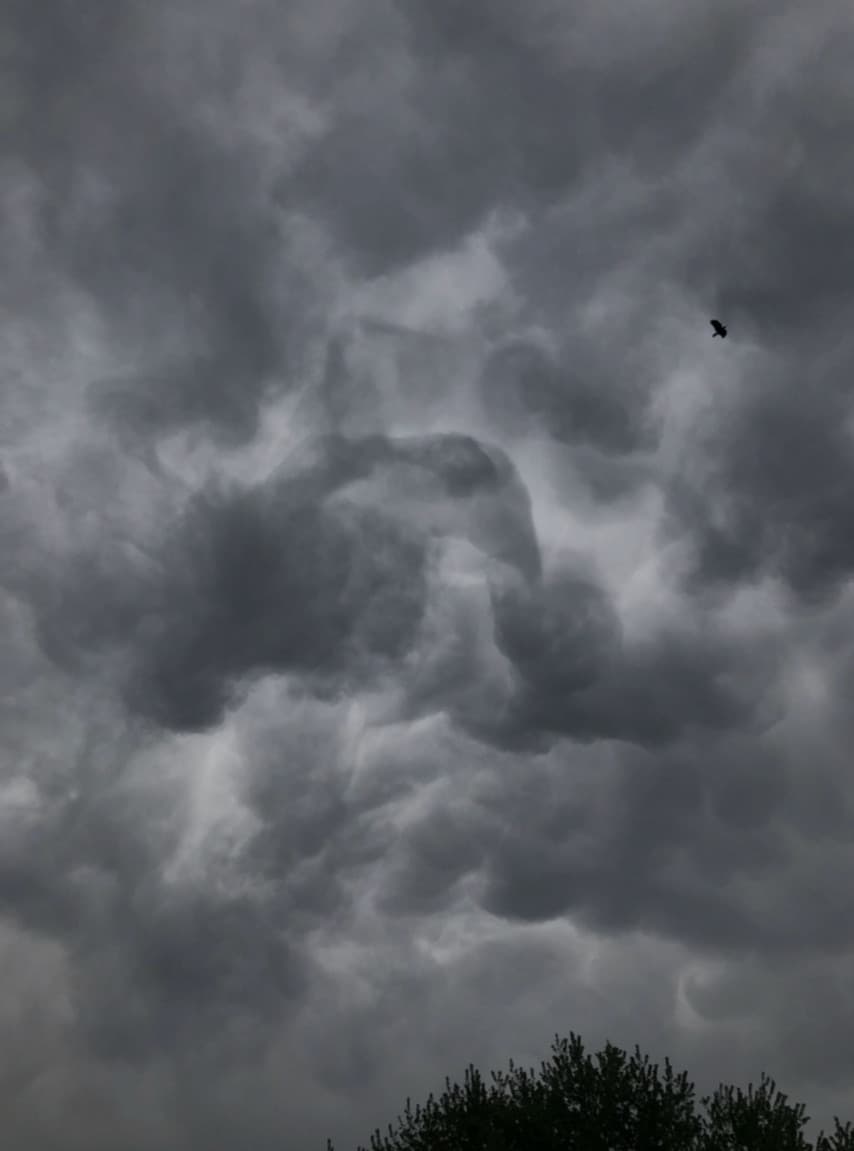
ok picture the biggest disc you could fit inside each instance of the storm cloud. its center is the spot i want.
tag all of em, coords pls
(418, 633)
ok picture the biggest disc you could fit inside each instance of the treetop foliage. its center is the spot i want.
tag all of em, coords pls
(610, 1102)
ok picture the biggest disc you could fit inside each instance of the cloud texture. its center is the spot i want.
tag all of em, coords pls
(418, 634)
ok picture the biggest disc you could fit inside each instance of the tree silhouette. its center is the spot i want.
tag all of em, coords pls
(608, 1103)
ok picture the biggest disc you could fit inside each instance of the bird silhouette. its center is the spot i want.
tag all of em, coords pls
(720, 330)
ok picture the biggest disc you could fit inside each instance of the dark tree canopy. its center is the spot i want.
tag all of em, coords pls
(612, 1102)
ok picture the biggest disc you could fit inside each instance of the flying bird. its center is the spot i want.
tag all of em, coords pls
(720, 330)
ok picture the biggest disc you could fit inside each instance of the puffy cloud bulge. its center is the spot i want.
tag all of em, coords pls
(418, 633)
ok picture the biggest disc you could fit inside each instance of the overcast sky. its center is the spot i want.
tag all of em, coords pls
(419, 635)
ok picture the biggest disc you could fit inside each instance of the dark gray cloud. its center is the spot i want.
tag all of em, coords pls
(277, 587)
(631, 878)
(566, 396)
(417, 630)
(289, 576)
(160, 222)
(577, 676)
(772, 499)
(493, 107)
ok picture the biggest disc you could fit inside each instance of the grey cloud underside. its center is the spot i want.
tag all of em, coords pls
(786, 266)
(252, 729)
(148, 960)
(490, 115)
(579, 677)
(566, 396)
(325, 573)
(681, 843)
(317, 573)
(188, 965)
(160, 225)
(774, 498)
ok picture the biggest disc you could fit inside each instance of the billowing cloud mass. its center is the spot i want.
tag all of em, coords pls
(418, 634)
